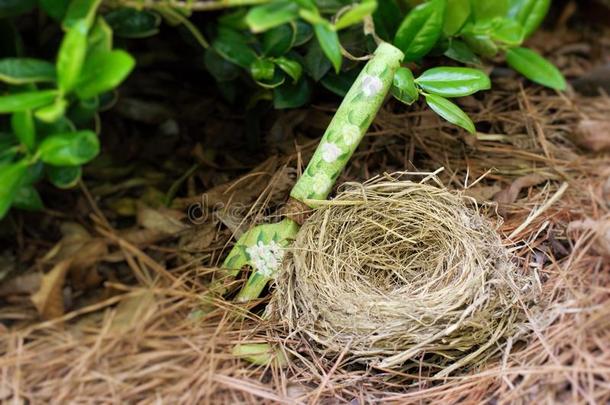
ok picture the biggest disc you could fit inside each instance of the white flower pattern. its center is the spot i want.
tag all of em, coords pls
(371, 85)
(330, 152)
(350, 134)
(266, 258)
(321, 183)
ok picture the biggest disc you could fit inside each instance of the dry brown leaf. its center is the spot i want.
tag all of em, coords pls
(163, 220)
(600, 227)
(482, 193)
(82, 251)
(73, 230)
(126, 206)
(510, 194)
(89, 254)
(234, 221)
(139, 237)
(49, 300)
(82, 271)
(593, 135)
(196, 240)
(26, 283)
(75, 236)
(133, 310)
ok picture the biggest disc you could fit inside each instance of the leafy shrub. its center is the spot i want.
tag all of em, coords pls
(279, 49)
(52, 105)
(279, 41)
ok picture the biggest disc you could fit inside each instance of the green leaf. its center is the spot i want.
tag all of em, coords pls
(24, 129)
(507, 31)
(220, 68)
(11, 176)
(235, 19)
(56, 9)
(340, 83)
(277, 79)
(307, 4)
(420, 30)
(292, 95)
(69, 149)
(71, 56)
(26, 101)
(303, 34)
(460, 52)
(52, 112)
(290, 67)
(355, 15)
(33, 173)
(387, 19)
(27, 198)
(84, 111)
(453, 81)
(403, 86)
(26, 70)
(533, 66)
(8, 147)
(450, 112)
(79, 11)
(329, 42)
(233, 46)
(12, 8)
(316, 64)
(64, 177)
(530, 13)
(489, 9)
(8, 155)
(261, 18)
(481, 44)
(278, 40)
(100, 37)
(103, 72)
(313, 17)
(63, 124)
(456, 15)
(131, 23)
(262, 69)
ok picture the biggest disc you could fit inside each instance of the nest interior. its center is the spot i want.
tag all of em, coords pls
(392, 270)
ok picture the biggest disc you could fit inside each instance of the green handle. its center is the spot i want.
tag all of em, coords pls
(348, 126)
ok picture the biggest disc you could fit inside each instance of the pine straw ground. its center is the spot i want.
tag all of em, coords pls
(149, 342)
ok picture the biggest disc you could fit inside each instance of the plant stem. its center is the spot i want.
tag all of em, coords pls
(209, 5)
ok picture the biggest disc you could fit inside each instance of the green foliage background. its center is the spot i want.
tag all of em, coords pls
(279, 50)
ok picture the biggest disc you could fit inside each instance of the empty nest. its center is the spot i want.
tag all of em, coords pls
(400, 274)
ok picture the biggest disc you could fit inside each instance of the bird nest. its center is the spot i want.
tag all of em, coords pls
(398, 273)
